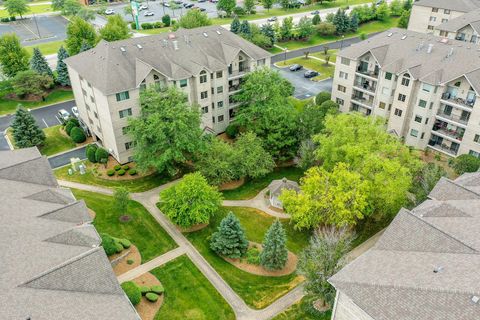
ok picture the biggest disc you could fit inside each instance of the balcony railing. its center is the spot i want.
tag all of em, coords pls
(447, 96)
(234, 88)
(362, 100)
(373, 74)
(443, 147)
(364, 86)
(452, 117)
(454, 134)
(239, 72)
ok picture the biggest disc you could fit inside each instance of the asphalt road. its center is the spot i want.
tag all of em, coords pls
(64, 158)
(50, 28)
(304, 88)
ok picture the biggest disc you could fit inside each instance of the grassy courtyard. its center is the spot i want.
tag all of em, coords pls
(332, 53)
(8, 106)
(46, 48)
(37, 8)
(188, 294)
(55, 141)
(257, 291)
(253, 186)
(142, 230)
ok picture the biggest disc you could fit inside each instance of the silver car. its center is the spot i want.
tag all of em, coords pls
(63, 115)
(75, 112)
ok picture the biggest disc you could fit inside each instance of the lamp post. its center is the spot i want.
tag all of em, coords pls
(341, 42)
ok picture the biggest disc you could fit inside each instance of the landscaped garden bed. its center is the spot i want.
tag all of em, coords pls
(147, 309)
(125, 261)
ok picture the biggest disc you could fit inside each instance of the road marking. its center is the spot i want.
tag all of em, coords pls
(45, 122)
(28, 29)
(58, 120)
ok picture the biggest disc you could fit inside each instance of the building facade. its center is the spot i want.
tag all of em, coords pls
(207, 63)
(464, 28)
(426, 87)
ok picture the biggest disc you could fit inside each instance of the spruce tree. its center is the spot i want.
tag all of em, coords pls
(341, 21)
(235, 25)
(39, 64)
(229, 241)
(354, 23)
(244, 30)
(26, 132)
(275, 254)
(62, 71)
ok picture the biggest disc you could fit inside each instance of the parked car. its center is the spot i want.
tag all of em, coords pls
(379, 2)
(75, 112)
(178, 2)
(272, 19)
(213, 1)
(188, 5)
(310, 74)
(166, 4)
(202, 0)
(143, 7)
(296, 67)
(63, 115)
(149, 13)
(315, 12)
(109, 12)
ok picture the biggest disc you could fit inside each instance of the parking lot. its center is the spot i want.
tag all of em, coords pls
(304, 88)
(40, 29)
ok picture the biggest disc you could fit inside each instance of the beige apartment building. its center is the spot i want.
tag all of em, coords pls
(426, 87)
(426, 15)
(207, 63)
(464, 28)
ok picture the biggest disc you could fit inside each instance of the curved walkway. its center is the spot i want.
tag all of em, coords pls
(258, 202)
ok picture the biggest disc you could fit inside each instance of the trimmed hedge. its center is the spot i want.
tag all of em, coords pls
(121, 172)
(132, 291)
(108, 244)
(232, 131)
(125, 243)
(117, 167)
(110, 172)
(152, 297)
(158, 289)
(69, 126)
(132, 172)
(77, 135)
(144, 290)
(90, 152)
(125, 167)
(101, 154)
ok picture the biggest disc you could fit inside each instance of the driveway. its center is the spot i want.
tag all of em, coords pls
(304, 88)
(50, 27)
(64, 158)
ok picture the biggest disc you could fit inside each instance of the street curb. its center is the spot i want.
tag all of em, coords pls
(38, 108)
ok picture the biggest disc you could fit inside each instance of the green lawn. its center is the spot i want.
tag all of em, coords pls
(332, 53)
(251, 187)
(326, 71)
(8, 106)
(135, 185)
(154, 31)
(40, 8)
(299, 104)
(299, 311)
(188, 294)
(46, 48)
(142, 230)
(56, 142)
(257, 291)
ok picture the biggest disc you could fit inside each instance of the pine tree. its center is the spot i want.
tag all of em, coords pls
(235, 26)
(341, 21)
(26, 132)
(229, 241)
(85, 46)
(244, 30)
(267, 30)
(62, 71)
(39, 64)
(275, 254)
(316, 19)
(354, 23)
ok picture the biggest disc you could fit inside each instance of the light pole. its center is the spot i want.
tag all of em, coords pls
(36, 24)
(341, 42)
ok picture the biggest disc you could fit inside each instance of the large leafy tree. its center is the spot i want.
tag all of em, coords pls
(324, 256)
(15, 7)
(13, 57)
(79, 33)
(305, 28)
(274, 254)
(30, 82)
(249, 5)
(267, 112)
(167, 132)
(226, 5)
(267, 4)
(424, 181)
(327, 198)
(191, 201)
(312, 117)
(404, 19)
(39, 64)
(115, 29)
(217, 162)
(62, 71)
(286, 30)
(229, 240)
(251, 158)
(71, 7)
(26, 132)
(194, 19)
(381, 160)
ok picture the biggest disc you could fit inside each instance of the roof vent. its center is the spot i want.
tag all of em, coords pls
(404, 37)
(175, 44)
(123, 49)
(390, 34)
(218, 32)
(475, 299)
(171, 36)
(438, 269)
(205, 35)
(139, 46)
(430, 48)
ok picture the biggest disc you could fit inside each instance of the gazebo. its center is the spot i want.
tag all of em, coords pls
(275, 189)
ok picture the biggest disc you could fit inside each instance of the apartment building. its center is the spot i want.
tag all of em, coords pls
(425, 264)
(464, 28)
(207, 63)
(426, 15)
(426, 87)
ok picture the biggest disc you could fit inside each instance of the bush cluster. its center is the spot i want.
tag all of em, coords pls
(132, 291)
(72, 128)
(152, 297)
(110, 172)
(121, 172)
(8, 19)
(253, 256)
(232, 131)
(132, 172)
(113, 245)
(117, 167)
(90, 152)
(151, 25)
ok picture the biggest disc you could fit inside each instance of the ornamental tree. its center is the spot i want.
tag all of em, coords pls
(191, 201)
(39, 64)
(274, 254)
(26, 132)
(13, 57)
(62, 71)
(229, 240)
(193, 19)
(15, 7)
(121, 198)
(115, 29)
(79, 33)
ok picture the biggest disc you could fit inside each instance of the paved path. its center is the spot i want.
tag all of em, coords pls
(258, 202)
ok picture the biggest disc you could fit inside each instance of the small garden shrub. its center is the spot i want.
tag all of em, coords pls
(239, 11)
(117, 167)
(132, 172)
(125, 167)
(157, 24)
(144, 290)
(125, 243)
(152, 297)
(253, 256)
(130, 261)
(4, 19)
(146, 26)
(13, 19)
(158, 289)
(322, 97)
(74, 121)
(101, 155)
(90, 152)
(121, 172)
(69, 126)
(166, 20)
(232, 131)
(77, 135)
(110, 172)
(132, 291)
(108, 244)
(118, 247)
(133, 25)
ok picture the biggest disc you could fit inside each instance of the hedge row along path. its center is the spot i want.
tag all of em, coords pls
(242, 311)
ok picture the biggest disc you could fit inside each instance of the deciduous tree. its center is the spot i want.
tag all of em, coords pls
(121, 198)
(226, 5)
(305, 28)
(71, 7)
(249, 5)
(115, 29)
(251, 159)
(26, 132)
(267, 4)
(193, 19)
(217, 162)
(13, 57)
(30, 82)
(80, 33)
(229, 240)
(465, 163)
(274, 255)
(15, 7)
(286, 29)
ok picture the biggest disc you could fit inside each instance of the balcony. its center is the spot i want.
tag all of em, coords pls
(459, 120)
(238, 73)
(448, 131)
(234, 88)
(449, 98)
(360, 98)
(451, 150)
(364, 85)
(368, 73)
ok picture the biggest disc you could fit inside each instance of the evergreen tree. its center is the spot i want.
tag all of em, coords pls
(341, 21)
(316, 19)
(354, 23)
(26, 132)
(268, 31)
(235, 25)
(85, 46)
(244, 30)
(39, 64)
(229, 241)
(275, 254)
(62, 71)
(404, 19)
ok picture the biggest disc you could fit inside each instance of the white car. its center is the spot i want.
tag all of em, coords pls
(148, 13)
(63, 115)
(75, 112)
(272, 19)
(109, 12)
(166, 4)
(143, 7)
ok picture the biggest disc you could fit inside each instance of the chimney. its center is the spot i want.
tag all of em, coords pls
(430, 48)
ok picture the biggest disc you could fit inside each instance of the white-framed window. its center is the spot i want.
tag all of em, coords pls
(341, 88)
(183, 83)
(220, 89)
(220, 104)
(122, 96)
(343, 75)
(345, 61)
(422, 103)
(402, 97)
(398, 112)
(204, 110)
(220, 118)
(203, 76)
(340, 102)
(414, 133)
(427, 87)
(125, 113)
(204, 95)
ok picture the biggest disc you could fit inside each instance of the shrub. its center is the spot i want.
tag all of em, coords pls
(90, 152)
(157, 24)
(77, 135)
(117, 167)
(326, 29)
(132, 291)
(166, 20)
(130, 261)
(253, 256)
(5, 19)
(108, 244)
(146, 26)
(118, 247)
(232, 131)
(69, 126)
(322, 97)
(74, 121)
(13, 19)
(158, 289)
(239, 11)
(133, 25)
(125, 243)
(144, 290)
(125, 167)
(152, 297)
(121, 172)
(466, 163)
(363, 36)
(101, 155)
(132, 172)
(110, 172)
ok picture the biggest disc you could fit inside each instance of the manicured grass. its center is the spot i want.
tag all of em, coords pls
(142, 230)
(46, 48)
(188, 294)
(154, 31)
(369, 27)
(332, 53)
(40, 8)
(299, 311)
(326, 71)
(58, 95)
(252, 187)
(55, 141)
(135, 185)
(257, 291)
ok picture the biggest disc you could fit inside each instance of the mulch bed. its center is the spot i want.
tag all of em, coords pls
(231, 185)
(192, 228)
(65, 134)
(146, 309)
(122, 266)
(101, 171)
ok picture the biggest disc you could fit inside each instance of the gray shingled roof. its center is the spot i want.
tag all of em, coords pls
(395, 280)
(456, 5)
(471, 18)
(399, 50)
(112, 70)
(52, 264)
